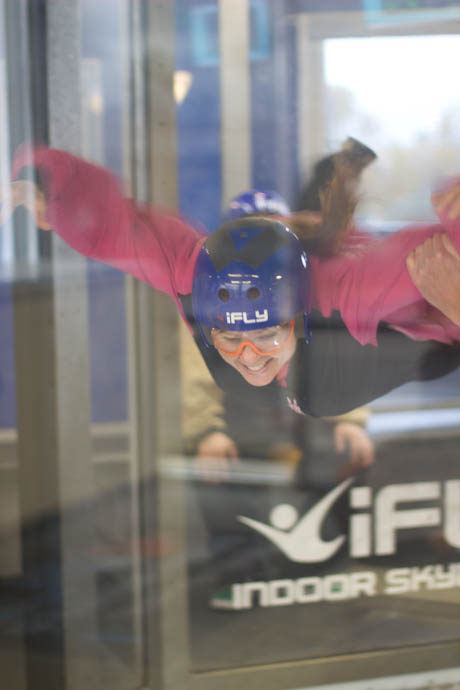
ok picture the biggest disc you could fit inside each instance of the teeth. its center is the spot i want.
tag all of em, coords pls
(258, 367)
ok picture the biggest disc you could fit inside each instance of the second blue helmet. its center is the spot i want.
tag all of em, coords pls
(256, 201)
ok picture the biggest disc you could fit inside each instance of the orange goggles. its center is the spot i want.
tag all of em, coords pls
(229, 344)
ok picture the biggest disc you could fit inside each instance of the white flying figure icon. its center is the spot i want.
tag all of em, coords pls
(303, 542)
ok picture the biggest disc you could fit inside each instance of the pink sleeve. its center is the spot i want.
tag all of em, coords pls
(372, 284)
(86, 208)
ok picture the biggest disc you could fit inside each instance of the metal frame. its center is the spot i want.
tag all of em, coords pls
(300, 675)
(353, 25)
(155, 342)
(50, 321)
(234, 39)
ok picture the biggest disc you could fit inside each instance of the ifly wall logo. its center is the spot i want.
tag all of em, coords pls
(374, 523)
(373, 530)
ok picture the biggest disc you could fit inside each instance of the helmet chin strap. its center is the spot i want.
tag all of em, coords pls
(306, 323)
(203, 335)
(302, 327)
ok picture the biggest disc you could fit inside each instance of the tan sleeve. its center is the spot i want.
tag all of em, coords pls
(358, 416)
(202, 399)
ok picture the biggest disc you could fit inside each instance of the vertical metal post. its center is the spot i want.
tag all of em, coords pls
(156, 344)
(71, 366)
(310, 90)
(52, 381)
(234, 44)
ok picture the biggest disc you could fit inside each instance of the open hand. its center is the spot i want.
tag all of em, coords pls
(214, 454)
(448, 201)
(352, 438)
(434, 267)
(23, 193)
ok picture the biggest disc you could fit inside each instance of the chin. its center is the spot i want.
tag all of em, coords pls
(259, 384)
(258, 381)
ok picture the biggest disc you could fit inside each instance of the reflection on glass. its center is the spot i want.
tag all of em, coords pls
(309, 547)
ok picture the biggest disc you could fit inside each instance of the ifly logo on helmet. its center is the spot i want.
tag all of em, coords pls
(264, 203)
(234, 316)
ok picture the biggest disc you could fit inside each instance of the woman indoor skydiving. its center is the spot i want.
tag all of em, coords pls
(305, 303)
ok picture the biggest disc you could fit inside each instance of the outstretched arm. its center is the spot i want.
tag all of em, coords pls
(371, 283)
(83, 204)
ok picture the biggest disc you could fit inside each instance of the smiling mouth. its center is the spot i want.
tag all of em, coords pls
(258, 369)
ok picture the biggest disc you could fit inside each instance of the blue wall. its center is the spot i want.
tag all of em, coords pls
(198, 117)
(199, 166)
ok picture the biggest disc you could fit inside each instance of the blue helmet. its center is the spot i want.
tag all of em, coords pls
(260, 201)
(251, 273)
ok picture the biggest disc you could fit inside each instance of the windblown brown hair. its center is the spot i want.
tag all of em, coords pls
(324, 235)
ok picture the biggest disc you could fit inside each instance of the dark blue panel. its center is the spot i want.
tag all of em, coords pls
(107, 324)
(101, 33)
(274, 104)
(273, 123)
(293, 182)
(264, 111)
(198, 119)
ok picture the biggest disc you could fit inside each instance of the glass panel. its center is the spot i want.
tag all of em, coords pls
(299, 550)
(306, 543)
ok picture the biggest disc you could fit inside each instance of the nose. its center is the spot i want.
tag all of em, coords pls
(248, 355)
